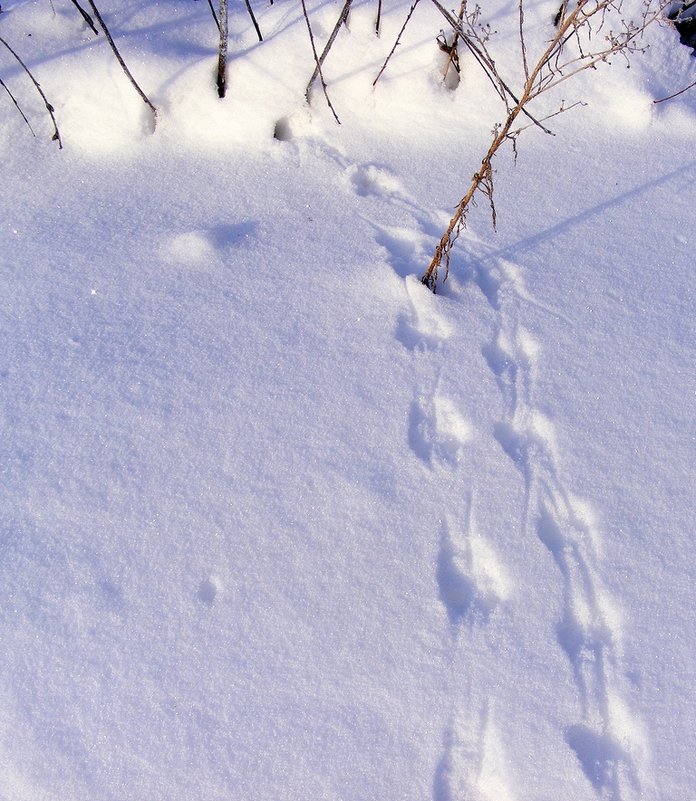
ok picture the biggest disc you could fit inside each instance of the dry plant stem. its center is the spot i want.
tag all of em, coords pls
(222, 51)
(318, 66)
(253, 19)
(86, 17)
(479, 52)
(49, 107)
(481, 180)
(453, 54)
(676, 94)
(522, 44)
(378, 21)
(18, 107)
(397, 42)
(212, 11)
(120, 60)
(342, 18)
(545, 75)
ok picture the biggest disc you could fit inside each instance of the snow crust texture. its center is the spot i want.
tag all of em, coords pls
(278, 522)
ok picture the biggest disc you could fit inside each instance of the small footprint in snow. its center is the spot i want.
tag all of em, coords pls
(609, 760)
(423, 326)
(609, 743)
(371, 179)
(208, 591)
(470, 579)
(404, 247)
(437, 431)
(528, 441)
(472, 767)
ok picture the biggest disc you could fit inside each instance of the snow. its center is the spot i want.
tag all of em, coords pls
(279, 523)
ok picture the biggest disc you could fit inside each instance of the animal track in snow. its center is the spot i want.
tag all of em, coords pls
(472, 766)
(470, 580)
(607, 741)
(371, 179)
(472, 583)
(437, 431)
(208, 590)
(423, 326)
(404, 247)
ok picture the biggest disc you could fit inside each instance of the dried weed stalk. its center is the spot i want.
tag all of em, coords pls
(49, 108)
(222, 21)
(586, 33)
(119, 58)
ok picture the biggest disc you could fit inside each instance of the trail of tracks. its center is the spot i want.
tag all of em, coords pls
(471, 581)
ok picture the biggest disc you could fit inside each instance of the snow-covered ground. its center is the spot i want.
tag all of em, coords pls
(277, 522)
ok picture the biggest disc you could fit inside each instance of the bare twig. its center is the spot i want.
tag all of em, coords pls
(18, 107)
(452, 50)
(676, 94)
(397, 42)
(49, 107)
(253, 19)
(561, 110)
(86, 17)
(478, 49)
(378, 21)
(120, 60)
(523, 46)
(212, 11)
(343, 16)
(318, 66)
(222, 51)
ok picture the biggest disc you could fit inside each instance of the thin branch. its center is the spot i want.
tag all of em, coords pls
(212, 11)
(86, 17)
(397, 42)
(676, 94)
(560, 13)
(120, 60)
(222, 51)
(253, 19)
(522, 44)
(488, 66)
(452, 50)
(378, 21)
(49, 107)
(561, 110)
(18, 107)
(343, 16)
(480, 54)
(318, 64)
